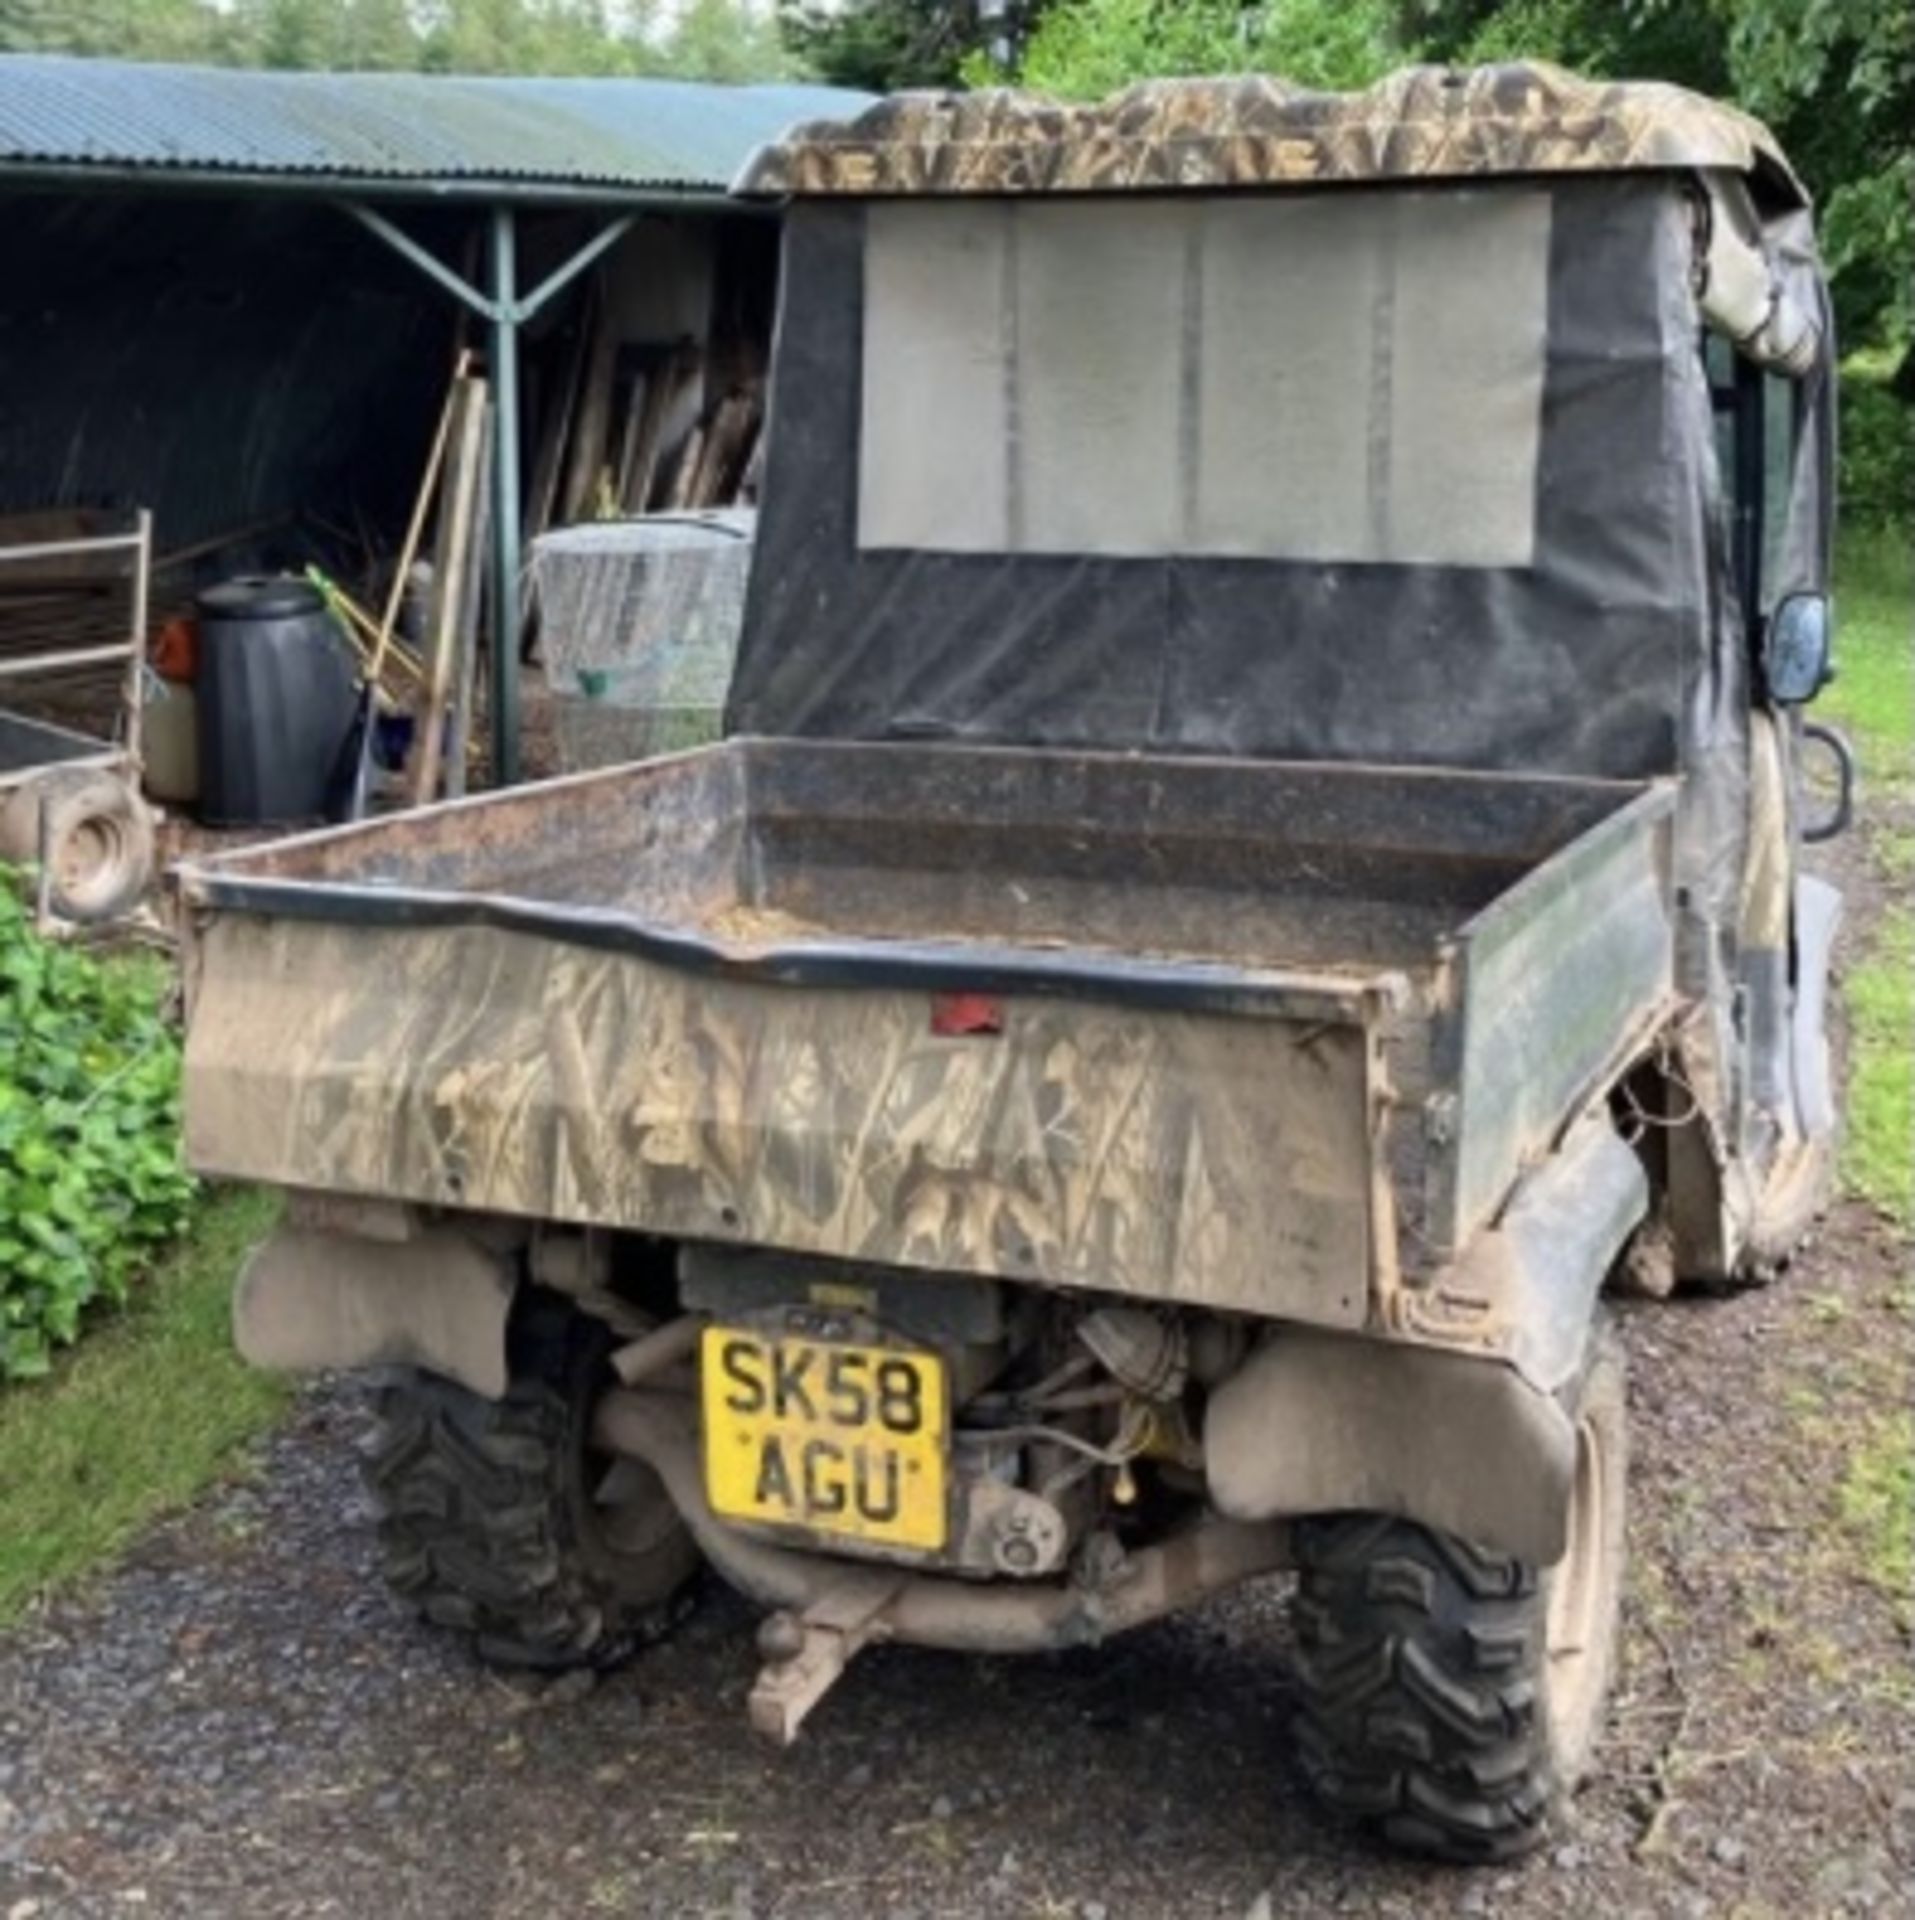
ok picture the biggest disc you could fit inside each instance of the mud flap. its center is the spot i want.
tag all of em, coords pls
(308, 1299)
(1322, 1423)
(1472, 1437)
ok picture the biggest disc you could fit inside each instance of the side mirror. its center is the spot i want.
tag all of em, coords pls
(1795, 650)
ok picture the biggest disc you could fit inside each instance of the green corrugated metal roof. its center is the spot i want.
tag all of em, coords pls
(58, 114)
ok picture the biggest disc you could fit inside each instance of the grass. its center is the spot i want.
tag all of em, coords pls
(1878, 1504)
(1878, 1150)
(136, 1420)
(1874, 700)
(1873, 697)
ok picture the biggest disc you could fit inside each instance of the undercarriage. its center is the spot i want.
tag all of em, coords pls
(559, 1524)
(980, 1468)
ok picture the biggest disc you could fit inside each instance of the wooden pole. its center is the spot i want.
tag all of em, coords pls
(465, 472)
(459, 730)
(593, 422)
(415, 527)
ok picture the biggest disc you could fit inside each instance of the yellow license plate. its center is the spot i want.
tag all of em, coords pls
(838, 1439)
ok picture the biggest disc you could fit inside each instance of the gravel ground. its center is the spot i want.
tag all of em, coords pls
(237, 1721)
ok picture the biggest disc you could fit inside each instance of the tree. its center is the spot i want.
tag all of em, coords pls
(723, 40)
(886, 45)
(293, 34)
(373, 35)
(481, 36)
(1086, 48)
(142, 29)
(1834, 79)
(709, 39)
(1635, 39)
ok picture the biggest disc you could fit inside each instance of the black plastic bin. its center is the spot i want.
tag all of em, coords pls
(278, 698)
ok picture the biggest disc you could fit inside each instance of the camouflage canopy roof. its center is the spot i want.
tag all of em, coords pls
(1423, 122)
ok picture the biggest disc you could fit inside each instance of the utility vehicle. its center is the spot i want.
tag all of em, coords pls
(1255, 863)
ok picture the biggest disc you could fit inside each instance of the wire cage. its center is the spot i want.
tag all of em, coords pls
(639, 622)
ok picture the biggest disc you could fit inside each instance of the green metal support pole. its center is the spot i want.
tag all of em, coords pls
(506, 504)
(504, 312)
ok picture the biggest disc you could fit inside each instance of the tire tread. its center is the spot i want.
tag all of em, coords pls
(477, 1527)
(1415, 1660)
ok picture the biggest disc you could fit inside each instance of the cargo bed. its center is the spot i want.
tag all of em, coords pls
(1258, 1034)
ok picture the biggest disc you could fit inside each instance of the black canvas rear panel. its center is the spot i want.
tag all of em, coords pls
(1599, 656)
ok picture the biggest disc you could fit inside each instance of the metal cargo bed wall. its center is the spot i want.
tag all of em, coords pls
(220, 360)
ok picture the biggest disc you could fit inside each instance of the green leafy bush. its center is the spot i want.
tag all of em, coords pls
(1878, 452)
(91, 1180)
(1083, 49)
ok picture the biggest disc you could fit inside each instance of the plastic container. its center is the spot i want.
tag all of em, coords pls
(169, 740)
(278, 696)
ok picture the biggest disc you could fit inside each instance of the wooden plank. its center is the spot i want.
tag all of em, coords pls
(699, 490)
(722, 461)
(637, 407)
(678, 494)
(591, 428)
(751, 477)
(474, 599)
(458, 514)
(640, 474)
(679, 408)
(556, 428)
(415, 526)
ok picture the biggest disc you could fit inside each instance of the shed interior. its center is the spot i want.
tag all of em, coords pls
(264, 375)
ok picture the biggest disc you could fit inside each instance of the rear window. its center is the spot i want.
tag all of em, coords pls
(1342, 376)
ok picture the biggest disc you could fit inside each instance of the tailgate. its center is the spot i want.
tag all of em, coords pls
(1190, 1132)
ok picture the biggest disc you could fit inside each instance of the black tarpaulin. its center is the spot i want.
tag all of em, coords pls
(1599, 657)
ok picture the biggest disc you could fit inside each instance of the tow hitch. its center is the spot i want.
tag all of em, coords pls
(805, 1653)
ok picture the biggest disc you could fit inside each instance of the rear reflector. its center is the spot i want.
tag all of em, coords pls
(960, 1013)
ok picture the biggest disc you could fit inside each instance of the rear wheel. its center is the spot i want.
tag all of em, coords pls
(499, 1520)
(1452, 1696)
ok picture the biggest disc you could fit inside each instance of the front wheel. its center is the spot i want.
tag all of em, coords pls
(499, 1519)
(1452, 1696)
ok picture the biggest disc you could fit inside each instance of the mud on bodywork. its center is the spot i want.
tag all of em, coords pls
(1170, 1155)
(1149, 1113)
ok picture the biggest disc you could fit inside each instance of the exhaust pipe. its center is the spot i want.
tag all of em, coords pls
(933, 1610)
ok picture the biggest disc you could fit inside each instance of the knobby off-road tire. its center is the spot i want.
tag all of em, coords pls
(497, 1519)
(1452, 1696)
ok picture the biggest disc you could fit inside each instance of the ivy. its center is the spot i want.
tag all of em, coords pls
(91, 1178)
